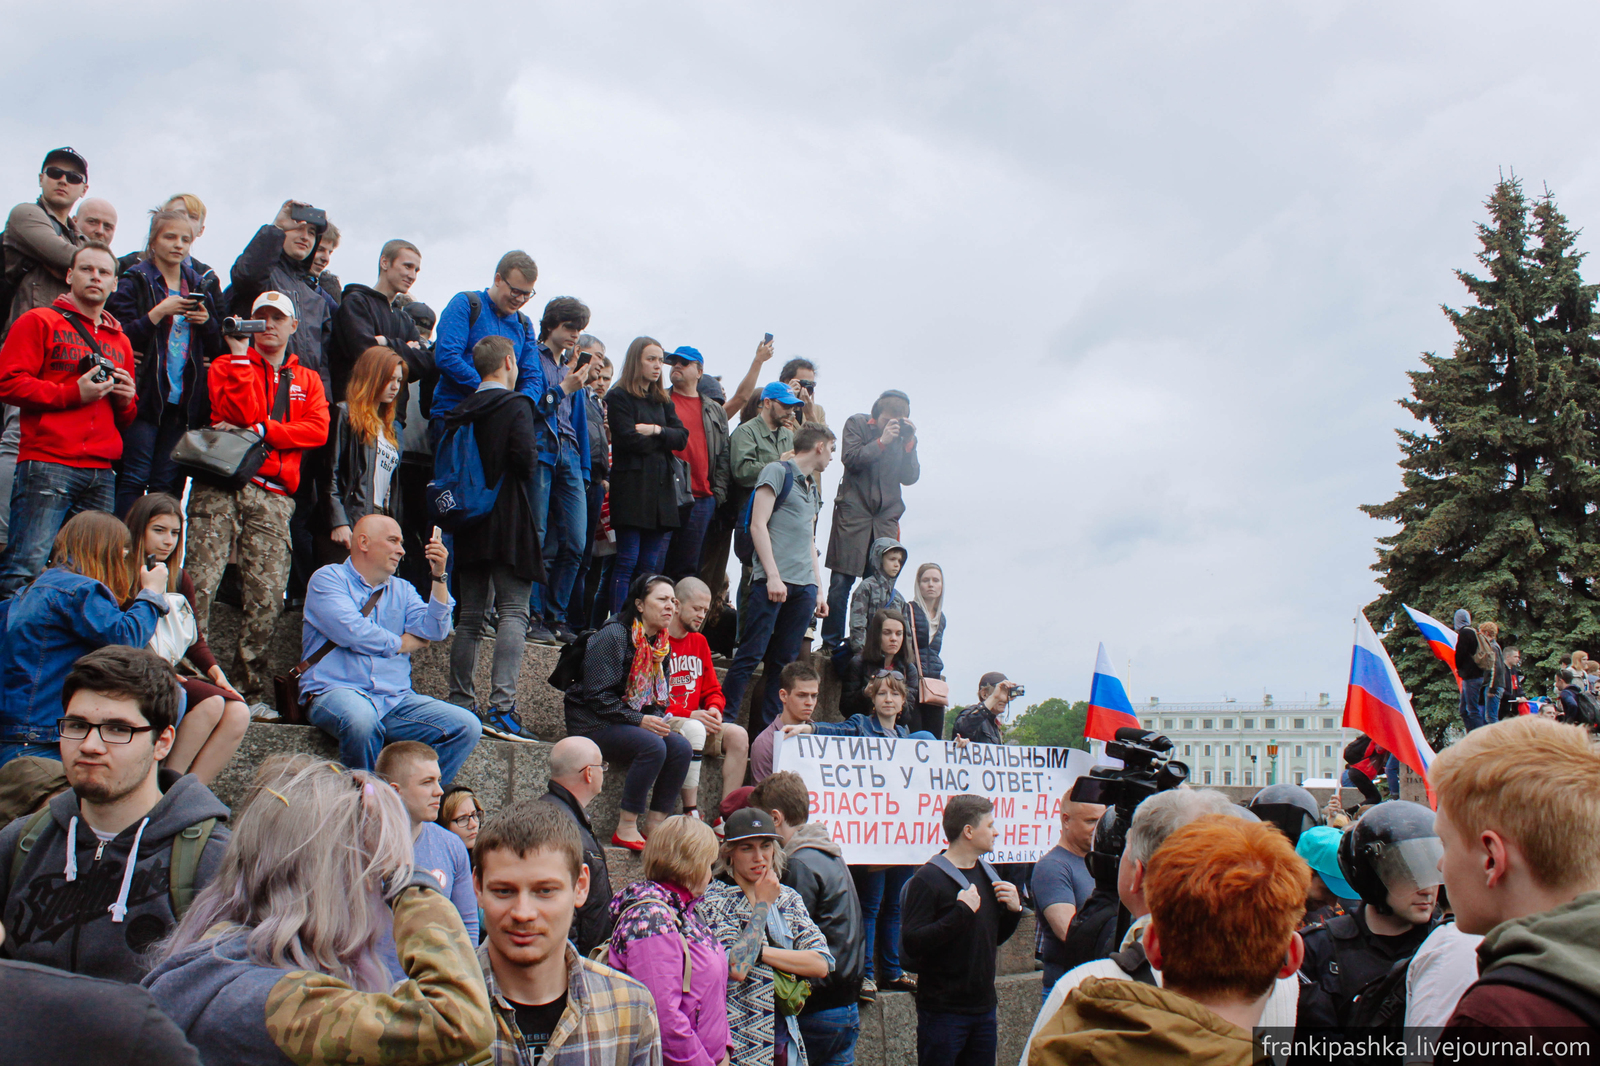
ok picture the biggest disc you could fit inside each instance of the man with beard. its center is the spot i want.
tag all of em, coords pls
(109, 866)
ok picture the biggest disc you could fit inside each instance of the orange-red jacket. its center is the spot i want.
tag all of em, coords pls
(243, 388)
(39, 373)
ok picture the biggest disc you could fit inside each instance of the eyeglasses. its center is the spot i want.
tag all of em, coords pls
(71, 177)
(897, 675)
(110, 732)
(802, 383)
(464, 821)
(601, 766)
(520, 294)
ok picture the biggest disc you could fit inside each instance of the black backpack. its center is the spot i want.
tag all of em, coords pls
(1356, 750)
(744, 545)
(569, 663)
(1381, 1003)
(1588, 709)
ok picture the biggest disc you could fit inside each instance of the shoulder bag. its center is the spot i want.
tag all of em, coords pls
(286, 687)
(229, 458)
(933, 691)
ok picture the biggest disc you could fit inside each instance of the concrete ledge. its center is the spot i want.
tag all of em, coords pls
(889, 1025)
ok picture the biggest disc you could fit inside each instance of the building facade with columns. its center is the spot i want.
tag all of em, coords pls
(1233, 743)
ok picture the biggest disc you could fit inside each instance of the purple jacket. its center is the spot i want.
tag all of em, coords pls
(646, 945)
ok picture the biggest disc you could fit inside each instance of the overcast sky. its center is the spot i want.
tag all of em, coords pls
(1152, 274)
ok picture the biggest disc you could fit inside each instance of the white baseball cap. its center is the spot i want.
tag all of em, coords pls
(275, 300)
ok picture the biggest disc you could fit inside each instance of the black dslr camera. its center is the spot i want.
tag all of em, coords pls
(101, 366)
(1147, 768)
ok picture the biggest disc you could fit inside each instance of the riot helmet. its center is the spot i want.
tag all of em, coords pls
(1289, 807)
(1392, 848)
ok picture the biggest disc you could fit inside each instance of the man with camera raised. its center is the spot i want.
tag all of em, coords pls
(259, 387)
(66, 367)
(980, 723)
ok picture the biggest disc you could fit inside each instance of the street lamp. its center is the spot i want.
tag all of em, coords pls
(1272, 753)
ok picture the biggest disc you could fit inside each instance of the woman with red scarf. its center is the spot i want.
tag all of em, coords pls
(619, 701)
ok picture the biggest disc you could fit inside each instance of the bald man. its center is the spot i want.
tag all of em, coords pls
(697, 701)
(97, 219)
(577, 774)
(362, 624)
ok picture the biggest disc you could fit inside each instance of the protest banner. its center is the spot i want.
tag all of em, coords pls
(883, 800)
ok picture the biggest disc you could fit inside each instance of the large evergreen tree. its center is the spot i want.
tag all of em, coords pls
(1497, 507)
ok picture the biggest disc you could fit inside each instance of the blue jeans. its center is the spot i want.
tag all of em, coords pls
(1053, 972)
(683, 557)
(43, 496)
(639, 551)
(956, 1039)
(1471, 703)
(771, 633)
(830, 1035)
(1491, 707)
(560, 513)
(662, 762)
(835, 626)
(353, 719)
(879, 892)
(147, 464)
(1392, 772)
(10, 751)
(581, 605)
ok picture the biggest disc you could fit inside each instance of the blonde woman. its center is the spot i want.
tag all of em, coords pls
(277, 958)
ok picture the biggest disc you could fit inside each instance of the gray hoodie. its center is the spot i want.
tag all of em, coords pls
(86, 911)
(876, 593)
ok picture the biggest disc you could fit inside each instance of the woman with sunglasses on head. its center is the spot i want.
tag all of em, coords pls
(885, 649)
(620, 702)
(71, 609)
(210, 730)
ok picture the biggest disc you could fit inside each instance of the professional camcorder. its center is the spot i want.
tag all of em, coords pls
(1147, 768)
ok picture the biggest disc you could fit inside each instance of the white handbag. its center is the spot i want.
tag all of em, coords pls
(176, 630)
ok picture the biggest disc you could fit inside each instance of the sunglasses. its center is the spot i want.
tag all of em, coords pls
(897, 675)
(71, 177)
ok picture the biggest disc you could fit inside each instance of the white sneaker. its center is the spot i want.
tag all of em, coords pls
(261, 712)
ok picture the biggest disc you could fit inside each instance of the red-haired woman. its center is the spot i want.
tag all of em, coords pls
(366, 444)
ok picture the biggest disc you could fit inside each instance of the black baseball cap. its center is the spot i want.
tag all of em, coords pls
(748, 824)
(66, 155)
(421, 313)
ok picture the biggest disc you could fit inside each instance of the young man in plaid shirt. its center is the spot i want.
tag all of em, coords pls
(552, 1006)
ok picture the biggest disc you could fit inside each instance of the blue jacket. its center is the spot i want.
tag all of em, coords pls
(857, 725)
(458, 378)
(44, 629)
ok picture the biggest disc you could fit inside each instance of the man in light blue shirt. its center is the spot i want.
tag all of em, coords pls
(360, 689)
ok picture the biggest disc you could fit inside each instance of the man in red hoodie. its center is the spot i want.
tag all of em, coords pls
(261, 387)
(67, 368)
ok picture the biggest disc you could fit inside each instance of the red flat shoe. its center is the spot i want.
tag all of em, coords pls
(631, 845)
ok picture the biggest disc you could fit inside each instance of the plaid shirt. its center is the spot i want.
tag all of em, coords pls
(610, 1020)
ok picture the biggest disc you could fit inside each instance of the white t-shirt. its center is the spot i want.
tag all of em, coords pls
(1441, 971)
(1279, 1013)
(388, 458)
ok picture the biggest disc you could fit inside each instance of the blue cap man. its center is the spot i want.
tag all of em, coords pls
(777, 390)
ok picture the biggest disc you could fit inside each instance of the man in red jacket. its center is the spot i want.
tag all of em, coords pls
(264, 388)
(67, 368)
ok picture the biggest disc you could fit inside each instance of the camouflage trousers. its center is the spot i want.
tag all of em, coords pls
(257, 523)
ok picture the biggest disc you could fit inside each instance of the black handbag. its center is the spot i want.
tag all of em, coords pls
(682, 494)
(229, 458)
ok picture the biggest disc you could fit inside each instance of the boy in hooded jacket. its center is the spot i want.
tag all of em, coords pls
(877, 592)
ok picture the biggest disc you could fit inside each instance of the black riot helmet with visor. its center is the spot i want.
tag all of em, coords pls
(1289, 807)
(1392, 849)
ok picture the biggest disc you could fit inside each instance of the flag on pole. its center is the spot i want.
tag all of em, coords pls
(1440, 637)
(1377, 704)
(1109, 706)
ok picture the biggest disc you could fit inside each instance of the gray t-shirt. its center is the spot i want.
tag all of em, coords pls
(1058, 877)
(791, 527)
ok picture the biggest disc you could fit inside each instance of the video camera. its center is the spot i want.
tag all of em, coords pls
(1147, 768)
(236, 326)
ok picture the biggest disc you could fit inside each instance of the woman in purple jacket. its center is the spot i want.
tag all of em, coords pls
(661, 942)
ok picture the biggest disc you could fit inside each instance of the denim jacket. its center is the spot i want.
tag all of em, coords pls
(44, 629)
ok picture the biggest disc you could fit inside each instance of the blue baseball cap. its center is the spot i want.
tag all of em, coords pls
(1319, 847)
(687, 354)
(777, 390)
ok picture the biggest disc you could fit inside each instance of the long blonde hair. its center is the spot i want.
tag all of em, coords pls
(933, 611)
(368, 378)
(303, 872)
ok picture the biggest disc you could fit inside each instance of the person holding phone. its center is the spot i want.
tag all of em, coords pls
(173, 324)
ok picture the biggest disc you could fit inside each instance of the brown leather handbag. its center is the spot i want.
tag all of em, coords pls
(286, 687)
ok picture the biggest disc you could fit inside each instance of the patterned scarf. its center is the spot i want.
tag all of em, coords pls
(647, 682)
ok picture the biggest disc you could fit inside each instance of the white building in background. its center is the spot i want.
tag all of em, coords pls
(1227, 743)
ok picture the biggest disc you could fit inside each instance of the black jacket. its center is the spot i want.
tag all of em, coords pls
(263, 267)
(506, 427)
(364, 315)
(817, 871)
(350, 490)
(1342, 956)
(1466, 648)
(595, 700)
(67, 1019)
(928, 650)
(208, 277)
(857, 672)
(137, 292)
(599, 440)
(642, 495)
(591, 926)
(951, 948)
(977, 723)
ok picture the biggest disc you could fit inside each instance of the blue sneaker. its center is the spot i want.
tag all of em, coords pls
(504, 725)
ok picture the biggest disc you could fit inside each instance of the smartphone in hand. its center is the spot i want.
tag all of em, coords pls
(767, 339)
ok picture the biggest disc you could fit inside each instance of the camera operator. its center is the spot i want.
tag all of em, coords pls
(980, 723)
(67, 368)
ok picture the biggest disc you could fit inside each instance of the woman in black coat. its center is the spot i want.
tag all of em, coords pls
(645, 431)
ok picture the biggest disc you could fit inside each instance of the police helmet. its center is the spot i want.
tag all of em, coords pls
(1392, 848)
(1289, 807)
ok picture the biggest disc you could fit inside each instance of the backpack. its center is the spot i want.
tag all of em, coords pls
(187, 848)
(1588, 708)
(569, 662)
(1483, 658)
(1578, 1000)
(459, 494)
(941, 862)
(475, 308)
(1381, 1003)
(1356, 750)
(744, 546)
(601, 951)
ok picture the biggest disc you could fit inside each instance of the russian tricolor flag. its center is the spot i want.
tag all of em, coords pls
(1109, 706)
(1377, 704)
(1440, 637)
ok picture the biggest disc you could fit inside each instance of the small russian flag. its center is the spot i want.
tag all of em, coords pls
(1377, 704)
(1440, 637)
(1109, 706)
